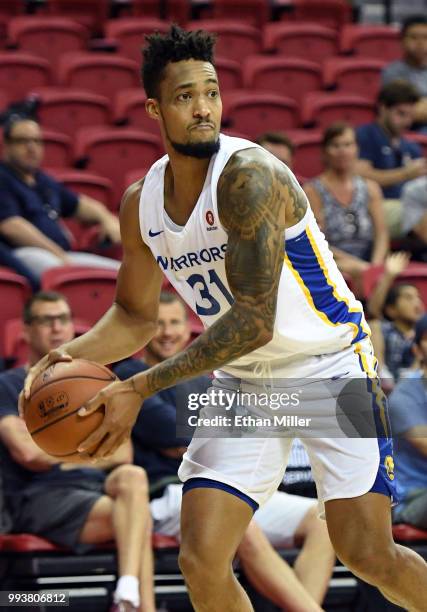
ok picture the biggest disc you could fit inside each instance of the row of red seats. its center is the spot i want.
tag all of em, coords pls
(90, 292)
(49, 37)
(94, 13)
(105, 75)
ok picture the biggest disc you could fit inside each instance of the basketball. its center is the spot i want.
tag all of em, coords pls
(57, 394)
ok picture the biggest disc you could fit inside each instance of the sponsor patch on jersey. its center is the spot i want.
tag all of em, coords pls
(210, 220)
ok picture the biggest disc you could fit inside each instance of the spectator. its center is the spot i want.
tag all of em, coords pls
(414, 205)
(279, 145)
(348, 208)
(283, 519)
(408, 414)
(386, 156)
(82, 505)
(33, 203)
(402, 306)
(412, 68)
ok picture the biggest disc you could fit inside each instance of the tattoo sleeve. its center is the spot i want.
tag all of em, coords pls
(252, 194)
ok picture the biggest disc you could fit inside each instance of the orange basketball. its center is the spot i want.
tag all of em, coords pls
(57, 394)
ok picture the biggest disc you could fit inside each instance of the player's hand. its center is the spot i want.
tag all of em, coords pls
(396, 263)
(52, 357)
(122, 405)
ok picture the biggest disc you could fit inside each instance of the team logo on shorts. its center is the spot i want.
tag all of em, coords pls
(389, 466)
(210, 220)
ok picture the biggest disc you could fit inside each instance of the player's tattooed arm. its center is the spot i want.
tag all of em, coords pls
(253, 192)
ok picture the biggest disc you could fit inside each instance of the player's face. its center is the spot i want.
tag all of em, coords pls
(25, 148)
(415, 44)
(409, 306)
(398, 118)
(190, 108)
(51, 325)
(173, 332)
(280, 151)
(341, 153)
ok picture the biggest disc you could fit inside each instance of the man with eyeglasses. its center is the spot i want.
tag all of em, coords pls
(32, 205)
(82, 505)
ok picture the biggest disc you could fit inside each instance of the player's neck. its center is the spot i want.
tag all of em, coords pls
(184, 180)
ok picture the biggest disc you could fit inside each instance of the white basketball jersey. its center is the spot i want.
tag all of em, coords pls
(316, 312)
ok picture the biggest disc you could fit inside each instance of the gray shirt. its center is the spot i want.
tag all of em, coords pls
(403, 71)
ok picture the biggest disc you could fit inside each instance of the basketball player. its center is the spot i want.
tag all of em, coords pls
(232, 230)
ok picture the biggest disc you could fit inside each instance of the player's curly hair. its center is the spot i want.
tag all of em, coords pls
(176, 45)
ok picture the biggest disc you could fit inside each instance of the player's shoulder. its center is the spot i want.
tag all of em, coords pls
(246, 166)
(132, 196)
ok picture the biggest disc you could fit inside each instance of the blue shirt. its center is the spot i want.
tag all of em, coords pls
(408, 409)
(375, 146)
(42, 204)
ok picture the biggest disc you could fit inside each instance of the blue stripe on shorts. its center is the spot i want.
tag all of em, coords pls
(207, 483)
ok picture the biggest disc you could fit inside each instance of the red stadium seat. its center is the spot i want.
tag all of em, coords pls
(46, 36)
(291, 77)
(98, 187)
(21, 72)
(99, 73)
(236, 40)
(15, 345)
(134, 176)
(177, 11)
(307, 159)
(90, 291)
(8, 9)
(254, 112)
(129, 34)
(113, 152)
(57, 149)
(361, 76)
(14, 291)
(255, 12)
(419, 138)
(129, 108)
(409, 533)
(309, 41)
(229, 74)
(415, 274)
(90, 13)
(27, 542)
(321, 109)
(68, 110)
(381, 42)
(330, 13)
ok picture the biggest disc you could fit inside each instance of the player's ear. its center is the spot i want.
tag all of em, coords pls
(152, 108)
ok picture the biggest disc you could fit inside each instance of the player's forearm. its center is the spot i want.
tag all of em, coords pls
(239, 332)
(118, 334)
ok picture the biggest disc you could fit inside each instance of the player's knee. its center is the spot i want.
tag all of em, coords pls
(199, 567)
(372, 562)
(130, 480)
